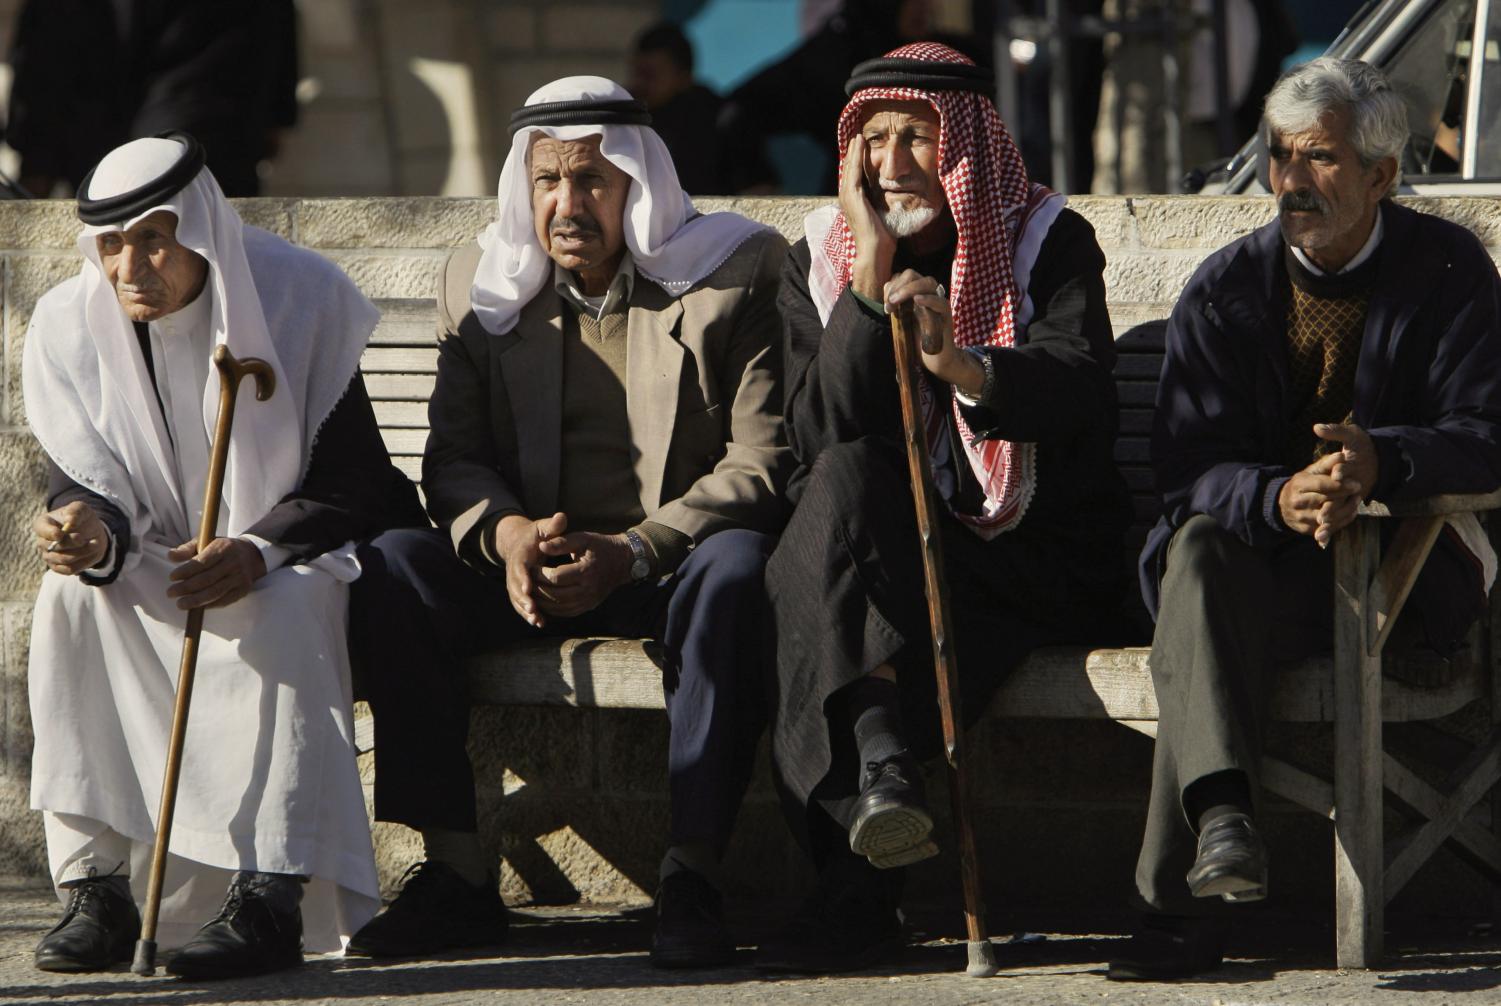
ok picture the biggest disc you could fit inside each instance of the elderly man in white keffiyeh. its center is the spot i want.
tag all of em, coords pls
(122, 395)
(934, 208)
(606, 458)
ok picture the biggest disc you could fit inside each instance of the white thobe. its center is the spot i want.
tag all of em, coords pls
(269, 780)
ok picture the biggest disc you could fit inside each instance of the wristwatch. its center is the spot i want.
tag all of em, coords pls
(987, 363)
(640, 558)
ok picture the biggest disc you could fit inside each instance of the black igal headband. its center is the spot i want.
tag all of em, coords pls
(587, 112)
(113, 209)
(920, 75)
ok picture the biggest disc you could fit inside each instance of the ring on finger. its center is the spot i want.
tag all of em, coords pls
(941, 291)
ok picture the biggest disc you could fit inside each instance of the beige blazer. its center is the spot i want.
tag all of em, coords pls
(703, 397)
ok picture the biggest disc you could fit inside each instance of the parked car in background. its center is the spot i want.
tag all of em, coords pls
(1444, 58)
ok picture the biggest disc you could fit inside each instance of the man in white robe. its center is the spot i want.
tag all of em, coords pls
(121, 394)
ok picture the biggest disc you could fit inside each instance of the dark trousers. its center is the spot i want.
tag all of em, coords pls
(417, 612)
(847, 596)
(1230, 617)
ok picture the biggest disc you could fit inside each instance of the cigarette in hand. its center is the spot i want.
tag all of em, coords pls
(67, 527)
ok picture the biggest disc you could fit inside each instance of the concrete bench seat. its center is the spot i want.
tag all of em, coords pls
(1056, 682)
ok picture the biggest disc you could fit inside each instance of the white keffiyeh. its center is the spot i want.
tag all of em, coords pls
(670, 243)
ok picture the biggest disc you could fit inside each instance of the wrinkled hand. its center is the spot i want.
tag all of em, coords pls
(935, 328)
(81, 546)
(600, 563)
(874, 246)
(1357, 467)
(1321, 499)
(518, 542)
(218, 576)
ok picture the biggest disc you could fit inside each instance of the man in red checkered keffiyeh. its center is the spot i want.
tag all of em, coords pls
(934, 208)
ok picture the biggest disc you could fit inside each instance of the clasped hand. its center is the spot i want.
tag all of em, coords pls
(218, 576)
(596, 564)
(1323, 498)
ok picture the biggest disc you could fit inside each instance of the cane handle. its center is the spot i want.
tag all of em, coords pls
(234, 371)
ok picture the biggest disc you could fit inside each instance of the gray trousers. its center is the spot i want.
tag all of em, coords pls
(1231, 616)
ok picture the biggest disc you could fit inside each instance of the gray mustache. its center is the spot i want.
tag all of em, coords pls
(1304, 200)
(576, 225)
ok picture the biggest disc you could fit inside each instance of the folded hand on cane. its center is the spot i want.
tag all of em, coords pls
(935, 328)
(219, 575)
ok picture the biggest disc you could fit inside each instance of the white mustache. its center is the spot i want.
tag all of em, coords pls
(896, 185)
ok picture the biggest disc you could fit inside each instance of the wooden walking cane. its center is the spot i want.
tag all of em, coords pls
(231, 373)
(903, 333)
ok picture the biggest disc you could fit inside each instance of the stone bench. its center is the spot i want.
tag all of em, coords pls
(1348, 690)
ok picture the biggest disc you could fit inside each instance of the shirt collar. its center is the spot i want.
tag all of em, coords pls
(619, 292)
(1366, 251)
(193, 318)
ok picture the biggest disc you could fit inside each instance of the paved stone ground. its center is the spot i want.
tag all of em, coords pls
(581, 954)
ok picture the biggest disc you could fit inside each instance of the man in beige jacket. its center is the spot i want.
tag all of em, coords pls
(606, 458)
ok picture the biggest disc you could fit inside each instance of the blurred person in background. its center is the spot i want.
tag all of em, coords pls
(92, 74)
(683, 111)
(814, 74)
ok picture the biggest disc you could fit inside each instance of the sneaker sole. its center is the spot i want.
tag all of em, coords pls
(894, 836)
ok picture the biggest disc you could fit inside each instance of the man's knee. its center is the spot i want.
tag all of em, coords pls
(733, 558)
(856, 467)
(402, 557)
(1202, 551)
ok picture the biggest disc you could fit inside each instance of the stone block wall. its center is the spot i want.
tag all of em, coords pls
(574, 801)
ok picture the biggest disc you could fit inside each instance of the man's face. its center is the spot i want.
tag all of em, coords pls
(152, 274)
(1325, 198)
(578, 204)
(656, 79)
(901, 164)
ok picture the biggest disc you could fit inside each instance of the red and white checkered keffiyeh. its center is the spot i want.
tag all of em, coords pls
(992, 202)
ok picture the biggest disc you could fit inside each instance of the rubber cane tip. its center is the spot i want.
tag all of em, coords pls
(981, 960)
(145, 959)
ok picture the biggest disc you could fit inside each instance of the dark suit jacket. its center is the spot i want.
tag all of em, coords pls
(703, 394)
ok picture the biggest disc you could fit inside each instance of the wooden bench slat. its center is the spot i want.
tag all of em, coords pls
(405, 442)
(401, 415)
(1142, 394)
(400, 387)
(400, 360)
(1434, 506)
(406, 321)
(1138, 366)
(1136, 422)
(411, 467)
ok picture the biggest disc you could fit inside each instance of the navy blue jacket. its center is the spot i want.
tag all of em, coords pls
(1427, 386)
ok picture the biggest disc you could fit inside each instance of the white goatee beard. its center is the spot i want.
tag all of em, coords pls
(903, 223)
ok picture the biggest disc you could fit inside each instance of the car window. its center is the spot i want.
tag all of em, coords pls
(1431, 71)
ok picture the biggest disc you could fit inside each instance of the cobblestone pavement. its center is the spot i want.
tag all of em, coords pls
(597, 955)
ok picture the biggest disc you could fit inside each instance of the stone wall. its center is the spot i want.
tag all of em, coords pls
(574, 801)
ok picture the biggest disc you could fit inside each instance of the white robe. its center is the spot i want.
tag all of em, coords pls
(269, 781)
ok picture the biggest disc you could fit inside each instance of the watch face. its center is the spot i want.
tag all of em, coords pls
(639, 569)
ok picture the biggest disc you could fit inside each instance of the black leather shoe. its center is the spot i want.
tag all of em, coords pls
(1168, 948)
(434, 911)
(1231, 861)
(251, 935)
(98, 928)
(690, 924)
(849, 923)
(892, 826)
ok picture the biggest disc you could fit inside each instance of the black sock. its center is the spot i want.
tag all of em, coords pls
(1217, 794)
(874, 707)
